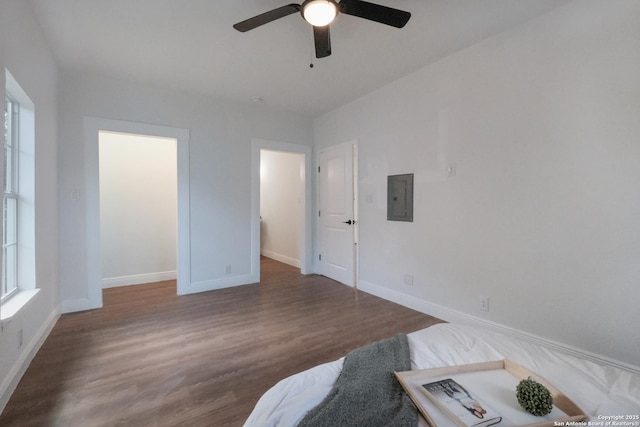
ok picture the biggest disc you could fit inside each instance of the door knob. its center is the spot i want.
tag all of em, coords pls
(348, 222)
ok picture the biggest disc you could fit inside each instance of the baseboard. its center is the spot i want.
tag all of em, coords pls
(9, 384)
(137, 279)
(455, 316)
(279, 257)
(74, 305)
(227, 282)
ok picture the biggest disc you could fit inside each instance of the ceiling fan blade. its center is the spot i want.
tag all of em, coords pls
(322, 39)
(375, 12)
(265, 18)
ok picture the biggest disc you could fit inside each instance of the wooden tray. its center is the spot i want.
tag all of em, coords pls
(495, 383)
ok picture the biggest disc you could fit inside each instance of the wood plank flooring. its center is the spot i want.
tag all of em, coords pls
(151, 358)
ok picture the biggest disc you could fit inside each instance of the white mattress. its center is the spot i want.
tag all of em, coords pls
(598, 390)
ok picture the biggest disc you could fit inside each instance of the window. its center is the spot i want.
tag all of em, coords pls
(18, 285)
(10, 199)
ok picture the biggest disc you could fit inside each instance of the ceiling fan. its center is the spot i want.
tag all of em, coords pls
(320, 13)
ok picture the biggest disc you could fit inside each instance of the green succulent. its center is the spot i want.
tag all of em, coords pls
(534, 397)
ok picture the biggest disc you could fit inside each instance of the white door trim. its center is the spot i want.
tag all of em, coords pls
(306, 266)
(92, 126)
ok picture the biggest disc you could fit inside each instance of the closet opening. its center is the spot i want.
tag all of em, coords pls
(138, 188)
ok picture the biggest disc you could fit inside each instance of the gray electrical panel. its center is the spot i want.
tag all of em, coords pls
(400, 197)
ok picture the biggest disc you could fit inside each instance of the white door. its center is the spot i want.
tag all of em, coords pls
(336, 213)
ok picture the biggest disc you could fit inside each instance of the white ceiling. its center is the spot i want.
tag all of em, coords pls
(191, 46)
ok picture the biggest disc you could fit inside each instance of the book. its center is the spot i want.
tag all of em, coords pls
(464, 408)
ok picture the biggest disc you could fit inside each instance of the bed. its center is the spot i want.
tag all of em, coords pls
(598, 390)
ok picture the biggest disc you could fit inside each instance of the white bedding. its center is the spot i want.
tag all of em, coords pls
(598, 390)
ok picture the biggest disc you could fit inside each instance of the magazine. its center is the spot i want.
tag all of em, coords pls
(460, 404)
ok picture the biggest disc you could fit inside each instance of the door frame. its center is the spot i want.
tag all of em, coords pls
(356, 215)
(92, 127)
(306, 247)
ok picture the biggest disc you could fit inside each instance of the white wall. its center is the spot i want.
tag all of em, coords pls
(138, 208)
(542, 214)
(24, 52)
(219, 163)
(281, 205)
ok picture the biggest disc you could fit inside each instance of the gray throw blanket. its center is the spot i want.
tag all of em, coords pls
(366, 393)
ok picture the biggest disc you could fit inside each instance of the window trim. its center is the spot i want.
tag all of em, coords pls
(11, 191)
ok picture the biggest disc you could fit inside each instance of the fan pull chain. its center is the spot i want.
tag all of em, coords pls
(312, 53)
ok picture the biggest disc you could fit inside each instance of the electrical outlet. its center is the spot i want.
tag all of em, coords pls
(227, 269)
(484, 303)
(408, 279)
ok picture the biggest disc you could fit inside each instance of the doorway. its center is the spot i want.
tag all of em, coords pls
(138, 208)
(305, 236)
(92, 127)
(281, 205)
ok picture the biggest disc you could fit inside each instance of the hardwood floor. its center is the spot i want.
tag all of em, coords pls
(151, 358)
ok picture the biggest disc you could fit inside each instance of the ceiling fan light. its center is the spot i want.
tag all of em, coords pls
(319, 13)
